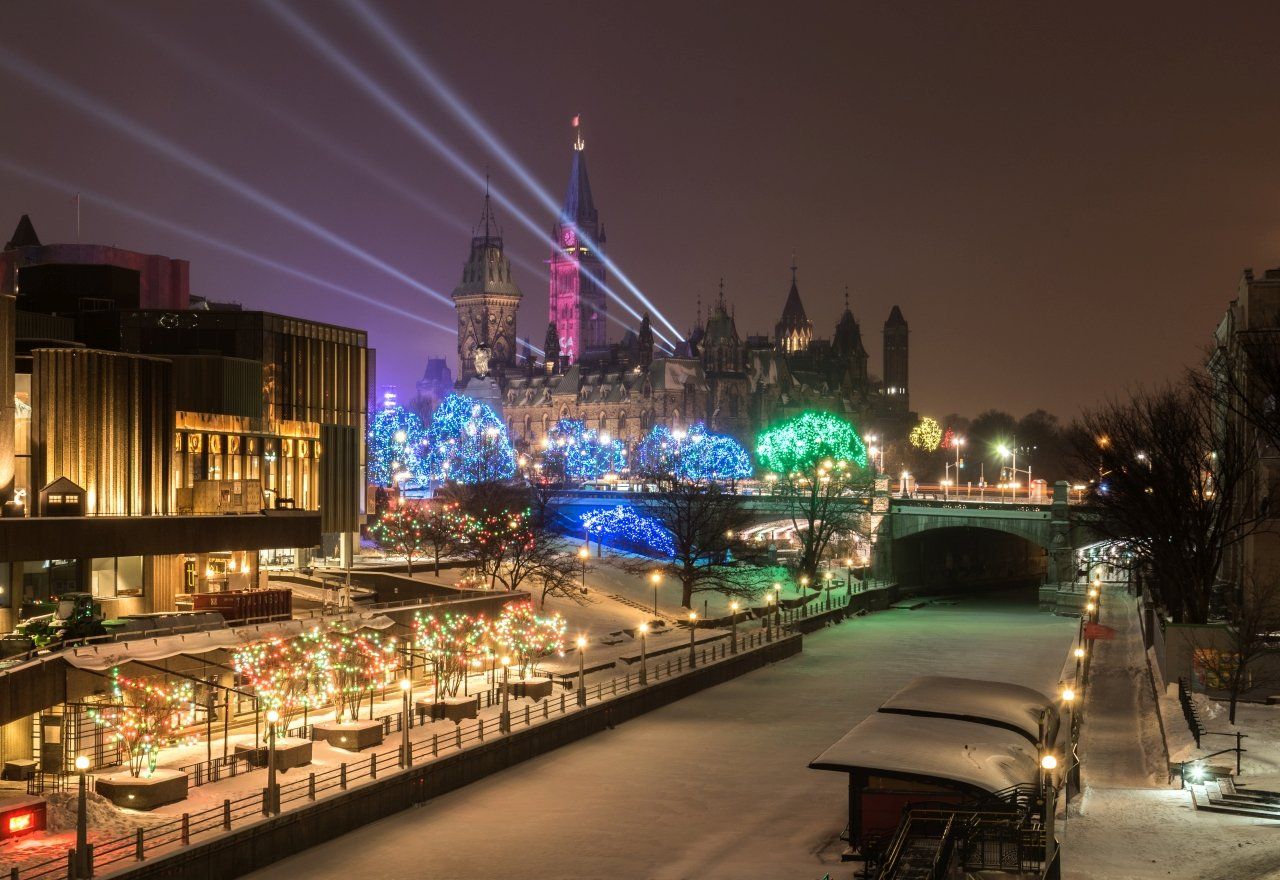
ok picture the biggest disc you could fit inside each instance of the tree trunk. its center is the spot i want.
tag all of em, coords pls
(408, 561)
(686, 595)
(437, 562)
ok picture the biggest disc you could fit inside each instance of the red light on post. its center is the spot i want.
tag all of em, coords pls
(20, 822)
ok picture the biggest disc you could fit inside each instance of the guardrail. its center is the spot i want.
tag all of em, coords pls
(147, 842)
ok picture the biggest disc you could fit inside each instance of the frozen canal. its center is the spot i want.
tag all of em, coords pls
(715, 785)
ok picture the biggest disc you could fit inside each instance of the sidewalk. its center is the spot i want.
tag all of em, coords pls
(1130, 824)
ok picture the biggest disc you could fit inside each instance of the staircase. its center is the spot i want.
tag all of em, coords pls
(647, 609)
(1221, 796)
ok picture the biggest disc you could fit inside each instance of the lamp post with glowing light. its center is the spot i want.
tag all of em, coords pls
(693, 634)
(406, 700)
(733, 627)
(644, 654)
(655, 578)
(582, 671)
(273, 799)
(768, 618)
(1048, 763)
(583, 553)
(777, 595)
(82, 819)
(504, 719)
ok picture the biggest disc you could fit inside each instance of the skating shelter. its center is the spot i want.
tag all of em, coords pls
(938, 741)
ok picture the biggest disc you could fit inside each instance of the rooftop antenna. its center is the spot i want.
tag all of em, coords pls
(721, 300)
(793, 265)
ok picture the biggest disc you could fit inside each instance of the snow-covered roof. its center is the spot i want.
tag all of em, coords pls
(1007, 705)
(971, 755)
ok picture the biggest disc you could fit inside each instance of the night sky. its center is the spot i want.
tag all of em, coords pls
(1059, 196)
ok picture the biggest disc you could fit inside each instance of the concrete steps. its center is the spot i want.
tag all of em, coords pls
(1221, 796)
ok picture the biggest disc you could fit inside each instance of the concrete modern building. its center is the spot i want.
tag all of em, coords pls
(149, 452)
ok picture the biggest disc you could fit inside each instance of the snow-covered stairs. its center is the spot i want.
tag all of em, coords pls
(1221, 796)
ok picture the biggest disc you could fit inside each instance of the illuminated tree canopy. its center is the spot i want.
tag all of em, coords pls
(144, 716)
(396, 452)
(801, 444)
(926, 435)
(467, 443)
(623, 523)
(572, 451)
(697, 455)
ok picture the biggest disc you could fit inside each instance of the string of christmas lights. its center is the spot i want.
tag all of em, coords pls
(572, 451)
(624, 524)
(466, 442)
(144, 716)
(696, 455)
(525, 635)
(802, 443)
(396, 437)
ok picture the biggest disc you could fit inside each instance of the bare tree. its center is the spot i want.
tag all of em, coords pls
(1254, 618)
(1174, 482)
(825, 505)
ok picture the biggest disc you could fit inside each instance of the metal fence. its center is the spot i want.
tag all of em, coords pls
(150, 841)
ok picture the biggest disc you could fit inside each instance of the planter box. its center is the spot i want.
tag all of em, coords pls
(352, 735)
(290, 752)
(455, 709)
(164, 787)
(531, 688)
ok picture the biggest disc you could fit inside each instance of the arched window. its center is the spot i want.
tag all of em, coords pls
(600, 421)
(622, 426)
(528, 427)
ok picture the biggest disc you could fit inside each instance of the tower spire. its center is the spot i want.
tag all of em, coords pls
(846, 297)
(793, 267)
(578, 142)
(720, 301)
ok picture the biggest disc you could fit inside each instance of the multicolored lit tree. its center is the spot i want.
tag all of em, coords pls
(467, 443)
(396, 452)
(525, 636)
(452, 642)
(819, 464)
(572, 451)
(286, 674)
(351, 665)
(412, 529)
(624, 524)
(144, 716)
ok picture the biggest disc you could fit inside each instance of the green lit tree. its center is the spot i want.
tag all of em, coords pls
(819, 465)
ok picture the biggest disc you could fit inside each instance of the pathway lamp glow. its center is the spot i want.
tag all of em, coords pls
(504, 718)
(583, 553)
(733, 628)
(406, 698)
(655, 578)
(693, 634)
(82, 819)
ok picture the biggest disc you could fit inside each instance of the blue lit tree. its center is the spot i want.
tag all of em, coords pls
(697, 455)
(623, 525)
(467, 443)
(395, 441)
(573, 451)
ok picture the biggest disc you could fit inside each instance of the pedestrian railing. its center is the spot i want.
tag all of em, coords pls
(151, 840)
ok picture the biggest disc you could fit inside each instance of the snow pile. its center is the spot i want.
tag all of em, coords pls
(105, 818)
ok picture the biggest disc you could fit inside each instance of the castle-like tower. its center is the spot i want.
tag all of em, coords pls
(795, 331)
(895, 360)
(486, 301)
(577, 304)
(847, 343)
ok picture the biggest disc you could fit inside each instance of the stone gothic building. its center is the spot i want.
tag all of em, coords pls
(733, 383)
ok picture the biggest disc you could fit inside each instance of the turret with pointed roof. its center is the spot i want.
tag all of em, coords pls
(795, 331)
(847, 344)
(488, 299)
(23, 236)
(577, 276)
(551, 350)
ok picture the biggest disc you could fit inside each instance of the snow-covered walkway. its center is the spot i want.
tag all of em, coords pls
(1120, 743)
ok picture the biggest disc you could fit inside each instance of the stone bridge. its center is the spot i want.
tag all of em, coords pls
(931, 544)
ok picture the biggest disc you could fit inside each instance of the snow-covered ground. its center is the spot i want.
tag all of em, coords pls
(715, 785)
(1130, 823)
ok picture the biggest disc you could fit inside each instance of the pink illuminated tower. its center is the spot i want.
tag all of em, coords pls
(577, 305)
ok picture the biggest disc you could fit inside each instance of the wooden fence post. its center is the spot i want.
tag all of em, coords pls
(373, 766)
(186, 829)
(435, 744)
(342, 776)
(226, 814)
(311, 786)
(139, 848)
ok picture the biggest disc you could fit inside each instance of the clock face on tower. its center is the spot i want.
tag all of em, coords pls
(567, 238)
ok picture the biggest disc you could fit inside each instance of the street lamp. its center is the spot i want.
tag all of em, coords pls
(82, 818)
(406, 693)
(644, 655)
(273, 717)
(848, 576)
(733, 628)
(693, 633)
(768, 618)
(582, 671)
(504, 719)
(583, 553)
(1048, 763)
(655, 578)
